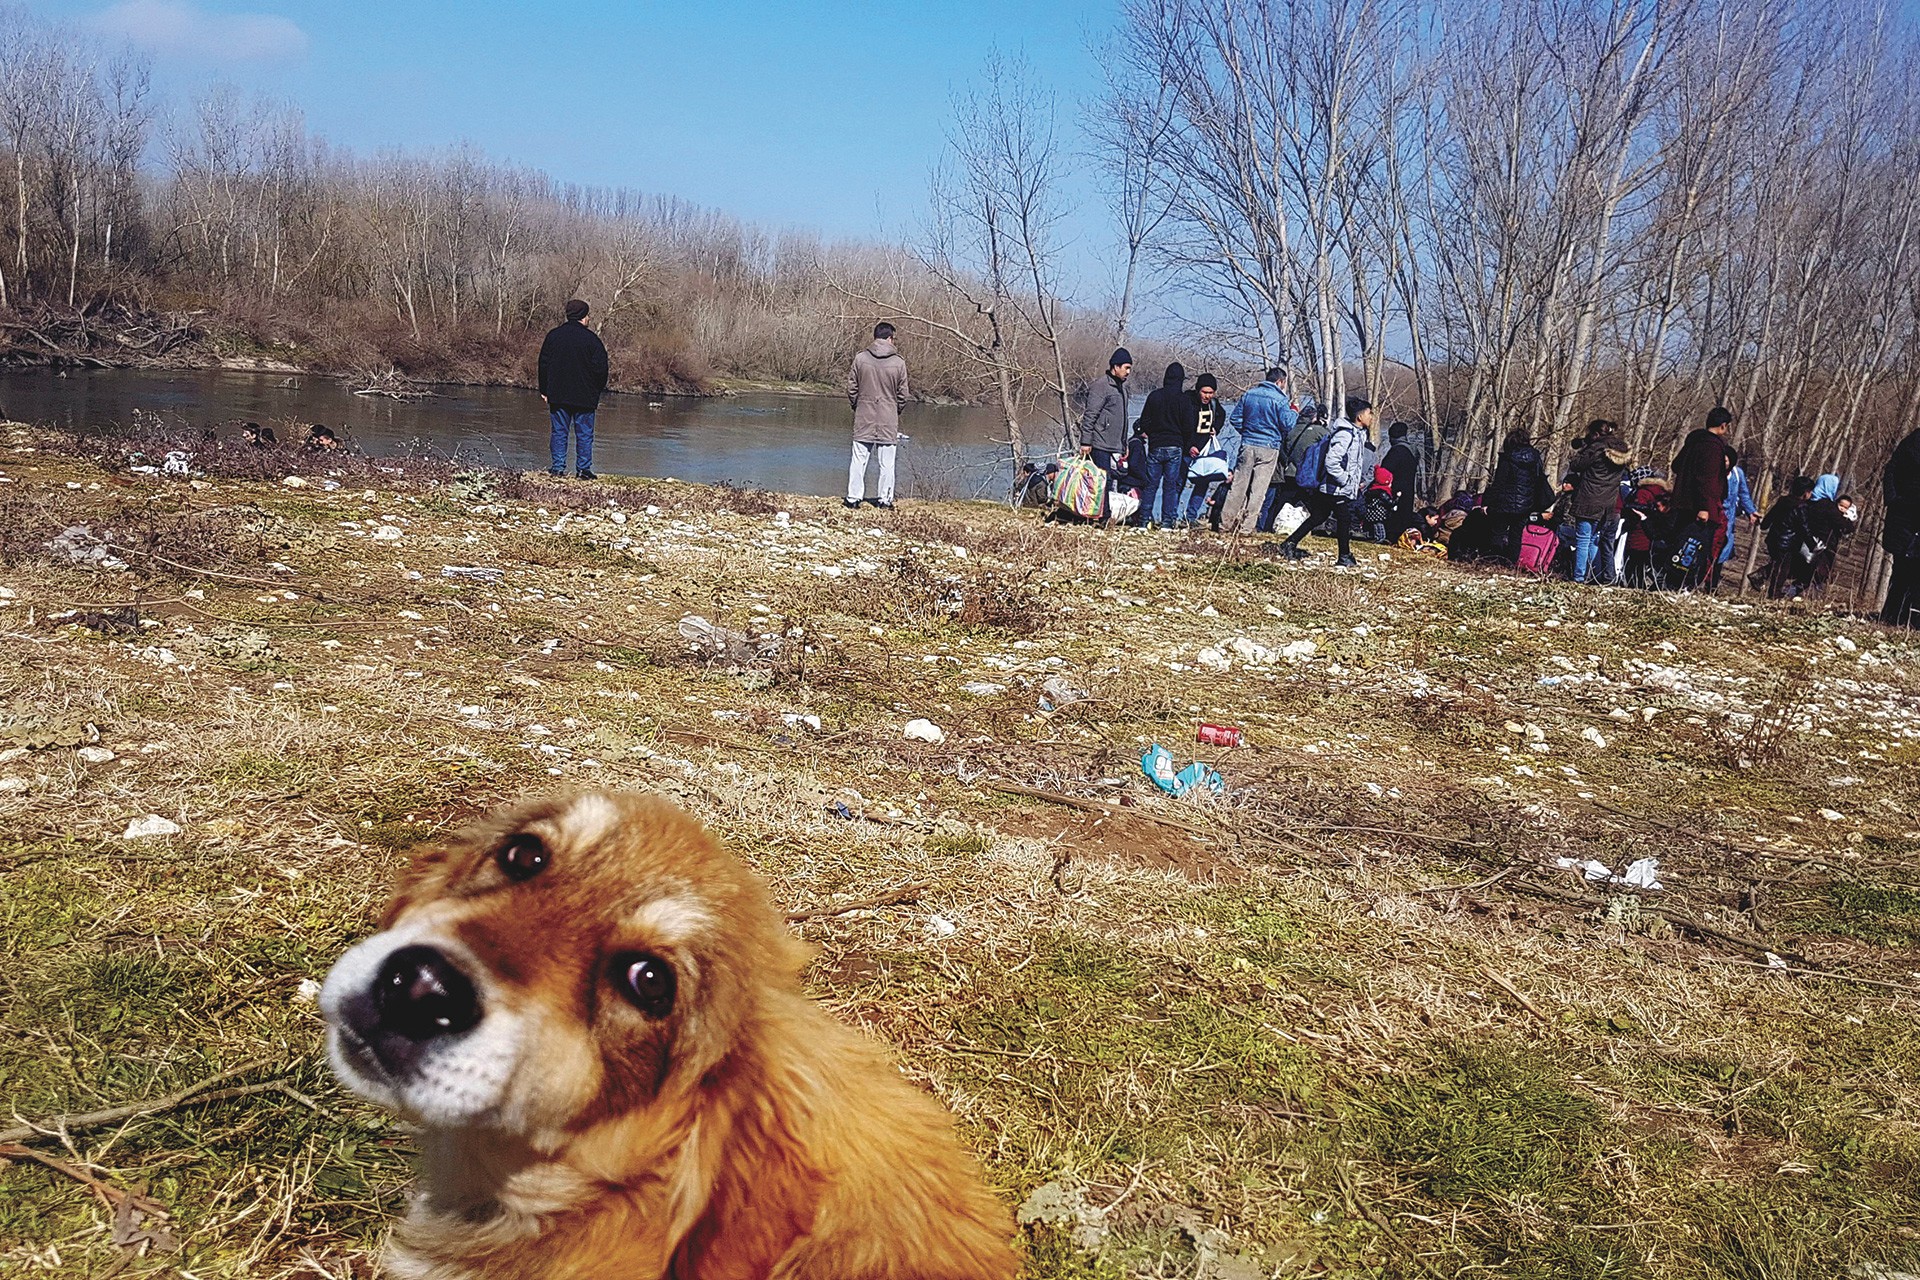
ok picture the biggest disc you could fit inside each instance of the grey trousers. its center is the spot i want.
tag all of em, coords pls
(1249, 491)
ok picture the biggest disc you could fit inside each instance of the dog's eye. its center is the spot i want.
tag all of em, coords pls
(523, 857)
(647, 980)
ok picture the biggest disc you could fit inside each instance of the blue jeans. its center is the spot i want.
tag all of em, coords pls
(581, 425)
(1586, 541)
(1166, 473)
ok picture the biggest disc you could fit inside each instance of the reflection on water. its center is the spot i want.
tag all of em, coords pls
(793, 444)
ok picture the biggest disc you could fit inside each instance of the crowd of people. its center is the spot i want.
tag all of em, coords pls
(1273, 464)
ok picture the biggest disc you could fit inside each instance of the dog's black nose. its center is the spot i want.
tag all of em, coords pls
(420, 994)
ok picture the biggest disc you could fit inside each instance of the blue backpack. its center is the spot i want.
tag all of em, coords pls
(1308, 477)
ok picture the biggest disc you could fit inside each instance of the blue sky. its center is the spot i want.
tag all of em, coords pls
(824, 116)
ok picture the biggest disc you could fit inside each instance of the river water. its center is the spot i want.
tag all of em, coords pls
(791, 444)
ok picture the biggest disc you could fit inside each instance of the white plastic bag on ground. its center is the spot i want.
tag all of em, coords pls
(1287, 520)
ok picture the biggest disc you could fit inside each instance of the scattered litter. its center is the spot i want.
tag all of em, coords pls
(1298, 650)
(939, 927)
(12, 786)
(838, 809)
(713, 641)
(1213, 658)
(795, 720)
(1157, 764)
(308, 992)
(95, 755)
(294, 482)
(1643, 874)
(983, 689)
(1832, 815)
(77, 544)
(387, 533)
(1221, 735)
(150, 826)
(1775, 962)
(1057, 692)
(476, 573)
(1591, 868)
(1594, 736)
(924, 731)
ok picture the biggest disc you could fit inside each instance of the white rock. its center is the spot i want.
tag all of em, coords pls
(295, 482)
(95, 755)
(795, 720)
(1832, 815)
(1845, 645)
(1298, 650)
(1213, 659)
(12, 786)
(1594, 736)
(387, 533)
(924, 731)
(150, 826)
(1253, 652)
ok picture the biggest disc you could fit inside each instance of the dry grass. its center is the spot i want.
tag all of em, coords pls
(1259, 1032)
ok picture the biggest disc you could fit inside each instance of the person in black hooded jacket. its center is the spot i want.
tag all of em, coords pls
(1900, 486)
(1167, 420)
(1519, 490)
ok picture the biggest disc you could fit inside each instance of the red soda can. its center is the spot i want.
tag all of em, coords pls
(1222, 735)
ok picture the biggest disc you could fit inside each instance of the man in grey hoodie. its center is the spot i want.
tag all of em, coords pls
(1344, 475)
(877, 389)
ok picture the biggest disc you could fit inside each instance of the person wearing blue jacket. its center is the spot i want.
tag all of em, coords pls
(1739, 507)
(1265, 417)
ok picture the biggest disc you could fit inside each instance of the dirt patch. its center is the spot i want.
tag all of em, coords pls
(1120, 839)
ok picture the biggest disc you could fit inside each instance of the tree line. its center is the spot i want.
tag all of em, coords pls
(440, 265)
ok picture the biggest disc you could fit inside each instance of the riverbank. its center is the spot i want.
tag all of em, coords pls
(1350, 1018)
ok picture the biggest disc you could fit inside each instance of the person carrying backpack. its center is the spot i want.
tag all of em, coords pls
(1332, 475)
(1518, 492)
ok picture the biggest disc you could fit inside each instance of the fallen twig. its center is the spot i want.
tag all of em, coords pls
(108, 1193)
(1102, 807)
(1827, 973)
(1674, 918)
(1501, 981)
(891, 898)
(203, 1091)
(1488, 883)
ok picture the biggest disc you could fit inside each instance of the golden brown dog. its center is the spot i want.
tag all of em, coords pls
(595, 1015)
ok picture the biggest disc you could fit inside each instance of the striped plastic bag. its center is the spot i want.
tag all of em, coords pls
(1081, 488)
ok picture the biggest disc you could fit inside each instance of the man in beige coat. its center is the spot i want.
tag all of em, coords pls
(877, 387)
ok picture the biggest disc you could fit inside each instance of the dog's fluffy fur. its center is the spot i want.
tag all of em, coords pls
(568, 1134)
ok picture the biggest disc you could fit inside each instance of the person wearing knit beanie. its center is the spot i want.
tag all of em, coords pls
(1120, 358)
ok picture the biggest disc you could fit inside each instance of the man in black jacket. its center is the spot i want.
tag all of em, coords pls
(573, 373)
(1168, 421)
(1403, 464)
(1901, 536)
